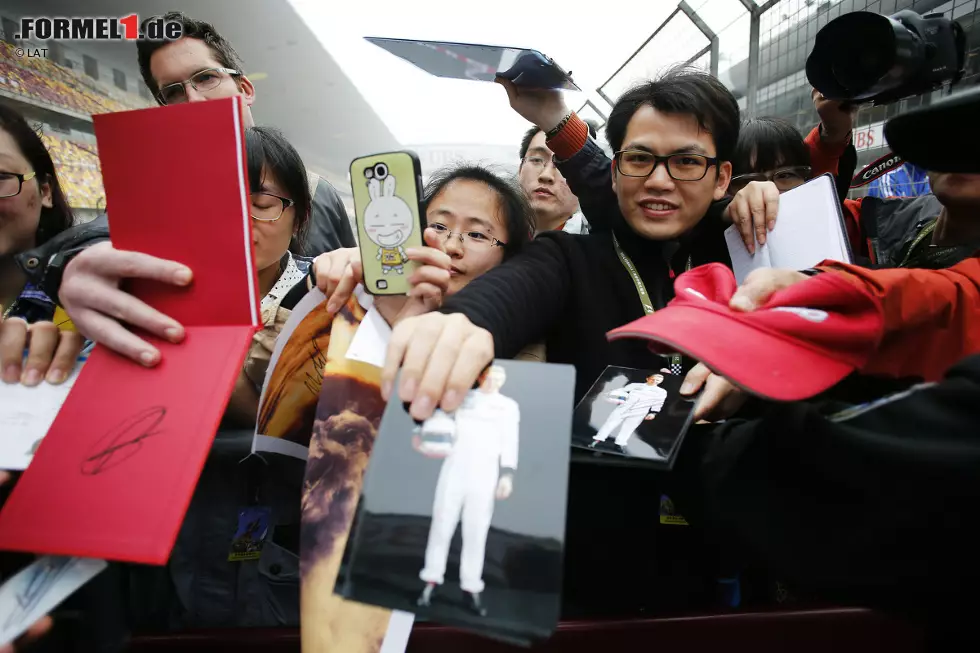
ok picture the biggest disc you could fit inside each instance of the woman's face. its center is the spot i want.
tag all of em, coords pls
(467, 216)
(271, 238)
(21, 213)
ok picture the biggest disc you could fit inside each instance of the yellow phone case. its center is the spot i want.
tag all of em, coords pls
(386, 190)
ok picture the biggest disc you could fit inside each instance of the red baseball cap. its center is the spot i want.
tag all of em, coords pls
(804, 340)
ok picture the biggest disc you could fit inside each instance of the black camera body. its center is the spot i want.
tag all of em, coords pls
(866, 57)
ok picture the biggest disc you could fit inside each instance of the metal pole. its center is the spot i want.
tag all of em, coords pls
(752, 90)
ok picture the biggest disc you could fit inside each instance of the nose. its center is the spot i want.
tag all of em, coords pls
(453, 246)
(547, 173)
(659, 179)
(193, 95)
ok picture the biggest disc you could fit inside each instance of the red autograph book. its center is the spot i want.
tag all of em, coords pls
(114, 475)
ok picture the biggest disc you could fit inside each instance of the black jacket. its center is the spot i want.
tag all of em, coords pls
(330, 228)
(45, 264)
(570, 290)
(875, 505)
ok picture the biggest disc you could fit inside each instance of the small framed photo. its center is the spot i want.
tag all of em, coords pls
(462, 518)
(633, 415)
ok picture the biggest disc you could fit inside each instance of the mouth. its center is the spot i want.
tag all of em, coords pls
(393, 237)
(454, 271)
(657, 209)
(542, 192)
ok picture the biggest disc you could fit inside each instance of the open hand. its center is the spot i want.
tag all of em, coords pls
(91, 295)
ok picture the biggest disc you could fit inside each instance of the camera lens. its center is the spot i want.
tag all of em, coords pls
(380, 170)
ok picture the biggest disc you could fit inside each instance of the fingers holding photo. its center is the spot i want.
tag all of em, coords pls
(440, 357)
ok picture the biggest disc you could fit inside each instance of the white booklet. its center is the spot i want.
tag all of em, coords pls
(809, 229)
(26, 414)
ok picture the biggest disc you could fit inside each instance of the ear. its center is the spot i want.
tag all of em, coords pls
(389, 187)
(47, 196)
(724, 177)
(612, 165)
(248, 91)
(374, 188)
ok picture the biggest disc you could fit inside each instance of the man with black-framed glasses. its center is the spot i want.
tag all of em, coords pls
(674, 138)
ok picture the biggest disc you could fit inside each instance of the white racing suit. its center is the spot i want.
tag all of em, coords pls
(487, 426)
(641, 400)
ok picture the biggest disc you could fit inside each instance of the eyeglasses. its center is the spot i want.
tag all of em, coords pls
(268, 207)
(539, 162)
(474, 239)
(11, 183)
(680, 166)
(785, 179)
(202, 82)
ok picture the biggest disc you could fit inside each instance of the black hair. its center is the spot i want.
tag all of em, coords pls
(223, 53)
(533, 131)
(766, 144)
(59, 217)
(517, 212)
(267, 147)
(681, 90)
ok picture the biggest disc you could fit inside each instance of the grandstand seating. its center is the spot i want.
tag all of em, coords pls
(78, 170)
(44, 81)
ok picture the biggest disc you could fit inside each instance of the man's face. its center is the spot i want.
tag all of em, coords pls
(178, 61)
(544, 186)
(655, 379)
(956, 190)
(658, 207)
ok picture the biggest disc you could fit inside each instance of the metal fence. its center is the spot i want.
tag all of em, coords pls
(759, 50)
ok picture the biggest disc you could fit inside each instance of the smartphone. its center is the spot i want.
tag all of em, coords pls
(387, 192)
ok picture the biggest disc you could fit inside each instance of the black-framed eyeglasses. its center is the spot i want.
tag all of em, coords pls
(682, 166)
(785, 178)
(201, 81)
(268, 207)
(11, 183)
(477, 239)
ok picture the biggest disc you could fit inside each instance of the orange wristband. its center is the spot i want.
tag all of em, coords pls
(572, 137)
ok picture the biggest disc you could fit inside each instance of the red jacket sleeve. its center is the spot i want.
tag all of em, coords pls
(932, 317)
(823, 156)
(852, 221)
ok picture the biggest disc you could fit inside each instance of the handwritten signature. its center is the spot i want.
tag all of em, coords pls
(319, 360)
(124, 441)
(40, 579)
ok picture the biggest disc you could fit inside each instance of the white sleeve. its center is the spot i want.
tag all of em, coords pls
(659, 400)
(510, 439)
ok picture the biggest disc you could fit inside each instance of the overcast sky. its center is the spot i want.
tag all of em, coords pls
(419, 108)
(592, 43)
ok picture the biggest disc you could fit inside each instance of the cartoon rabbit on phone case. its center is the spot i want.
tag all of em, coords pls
(387, 219)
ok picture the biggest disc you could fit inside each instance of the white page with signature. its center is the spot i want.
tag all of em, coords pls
(809, 229)
(26, 414)
(39, 588)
